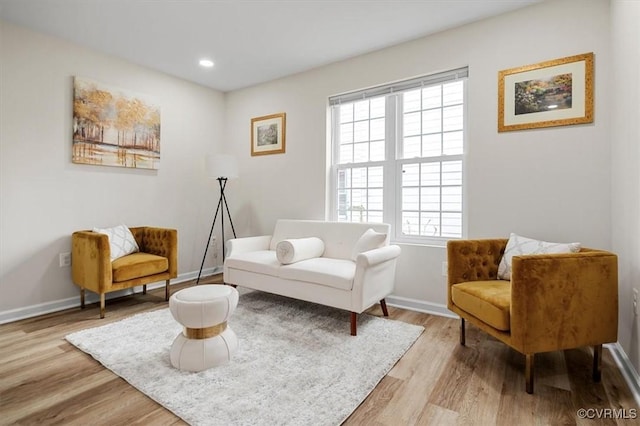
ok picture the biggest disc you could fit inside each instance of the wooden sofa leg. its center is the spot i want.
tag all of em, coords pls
(102, 308)
(354, 323)
(383, 305)
(82, 298)
(144, 289)
(597, 363)
(462, 338)
(167, 291)
(528, 372)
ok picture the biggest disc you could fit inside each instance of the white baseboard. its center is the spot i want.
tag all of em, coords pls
(626, 368)
(74, 302)
(420, 306)
(619, 355)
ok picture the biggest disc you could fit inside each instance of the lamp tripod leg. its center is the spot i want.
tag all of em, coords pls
(222, 205)
(206, 248)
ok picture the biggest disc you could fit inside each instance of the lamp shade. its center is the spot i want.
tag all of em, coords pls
(222, 166)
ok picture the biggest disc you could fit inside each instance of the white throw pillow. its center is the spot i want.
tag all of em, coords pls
(518, 245)
(368, 241)
(121, 241)
(297, 249)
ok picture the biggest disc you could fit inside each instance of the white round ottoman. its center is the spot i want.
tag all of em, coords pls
(206, 341)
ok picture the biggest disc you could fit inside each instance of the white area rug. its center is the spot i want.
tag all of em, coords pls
(296, 363)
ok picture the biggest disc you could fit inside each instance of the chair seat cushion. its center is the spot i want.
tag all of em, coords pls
(138, 265)
(336, 273)
(488, 301)
(260, 262)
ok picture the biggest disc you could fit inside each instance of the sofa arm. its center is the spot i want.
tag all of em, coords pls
(162, 242)
(374, 277)
(561, 301)
(247, 244)
(91, 261)
(377, 256)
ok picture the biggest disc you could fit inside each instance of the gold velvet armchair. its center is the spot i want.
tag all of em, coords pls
(92, 268)
(553, 301)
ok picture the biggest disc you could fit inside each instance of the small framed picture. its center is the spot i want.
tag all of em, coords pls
(551, 93)
(268, 134)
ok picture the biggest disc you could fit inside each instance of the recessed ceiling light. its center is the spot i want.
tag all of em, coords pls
(207, 63)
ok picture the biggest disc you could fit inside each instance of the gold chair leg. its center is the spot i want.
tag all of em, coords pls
(528, 372)
(462, 338)
(167, 291)
(144, 289)
(597, 363)
(102, 309)
(82, 298)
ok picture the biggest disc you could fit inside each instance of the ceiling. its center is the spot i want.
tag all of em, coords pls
(250, 41)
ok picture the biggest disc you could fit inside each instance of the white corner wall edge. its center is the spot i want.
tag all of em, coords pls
(74, 302)
(617, 352)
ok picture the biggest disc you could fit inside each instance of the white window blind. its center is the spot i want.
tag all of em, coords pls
(400, 86)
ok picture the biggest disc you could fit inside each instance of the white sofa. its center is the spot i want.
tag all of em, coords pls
(333, 279)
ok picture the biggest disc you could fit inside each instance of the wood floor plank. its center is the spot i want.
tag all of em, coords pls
(421, 376)
(485, 386)
(451, 388)
(551, 370)
(371, 408)
(35, 397)
(437, 416)
(46, 380)
(516, 406)
(552, 401)
(26, 371)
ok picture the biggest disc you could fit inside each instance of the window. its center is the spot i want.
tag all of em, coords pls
(398, 156)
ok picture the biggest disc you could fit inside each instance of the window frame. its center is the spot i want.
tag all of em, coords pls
(393, 165)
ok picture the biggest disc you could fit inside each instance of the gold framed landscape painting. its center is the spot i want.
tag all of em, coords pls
(552, 93)
(268, 134)
(114, 127)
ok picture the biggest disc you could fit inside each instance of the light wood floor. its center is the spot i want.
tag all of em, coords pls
(45, 380)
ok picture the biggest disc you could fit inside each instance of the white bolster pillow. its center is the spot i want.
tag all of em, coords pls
(295, 250)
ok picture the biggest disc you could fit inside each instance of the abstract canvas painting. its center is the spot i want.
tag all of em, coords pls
(114, 127)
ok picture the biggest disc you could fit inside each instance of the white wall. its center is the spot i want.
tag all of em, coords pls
(552, 183)
(625, 136)
(44, 197)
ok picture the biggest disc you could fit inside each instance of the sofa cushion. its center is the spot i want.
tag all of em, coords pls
(519, 245)
(138, 265)
(121, 241)
(297, 249)
(336, 273)
(260, 262)
(488, 301)
(368, 241)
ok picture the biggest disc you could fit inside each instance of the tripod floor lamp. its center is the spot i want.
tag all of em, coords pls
(222, 167)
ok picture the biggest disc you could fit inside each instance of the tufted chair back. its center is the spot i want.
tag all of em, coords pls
(475, 261)
(159, 241)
